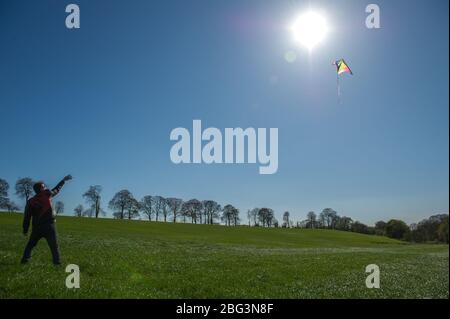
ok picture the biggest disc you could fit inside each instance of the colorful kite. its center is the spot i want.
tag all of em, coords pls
(341, 68)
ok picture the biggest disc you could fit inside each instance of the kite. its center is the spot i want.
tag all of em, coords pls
(341, 68)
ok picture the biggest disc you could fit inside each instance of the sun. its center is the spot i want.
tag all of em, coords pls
(310, 29)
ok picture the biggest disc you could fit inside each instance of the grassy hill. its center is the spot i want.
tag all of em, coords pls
(137, 259)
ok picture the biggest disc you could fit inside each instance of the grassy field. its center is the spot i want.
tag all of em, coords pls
(136, 259)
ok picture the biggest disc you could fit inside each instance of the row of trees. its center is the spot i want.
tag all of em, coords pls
(159, 208)
(433, 229)
(125, 206)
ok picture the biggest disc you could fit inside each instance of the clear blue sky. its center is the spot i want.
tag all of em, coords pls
(100, 102)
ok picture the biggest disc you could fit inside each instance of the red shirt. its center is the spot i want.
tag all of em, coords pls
(39, 208)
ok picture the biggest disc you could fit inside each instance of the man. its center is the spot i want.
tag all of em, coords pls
(39, 209)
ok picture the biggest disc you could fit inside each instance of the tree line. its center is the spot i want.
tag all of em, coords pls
(158, 208)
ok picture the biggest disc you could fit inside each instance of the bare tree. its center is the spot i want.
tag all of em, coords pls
(329, 218)
(24, 188)
(253, 216)
(5, 202)
(59, 208)
(165, 209)
(266, 216)
(226, 214)
(4, 186)
(311, 218)
(120, 202)
(197, 207)
(185, 211)
(286, 219)
(211, 211)
(159, 203)
(235, 216)
(93, 198)
(174, 205)
(148, 206)
(192, 208)
(230, 215)
(78, 211)
(133, 208)
(322, 222)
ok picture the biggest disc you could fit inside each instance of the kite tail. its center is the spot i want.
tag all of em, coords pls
(338, 89)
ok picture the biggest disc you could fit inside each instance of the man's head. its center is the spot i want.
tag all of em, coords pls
(39, 187)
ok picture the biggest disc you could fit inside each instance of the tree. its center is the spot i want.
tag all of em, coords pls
(78, 211)
(174, 205)
(275, 223)
(211, 210)
(329, 218)
(443, 230)
(148, 206)
(197, 207)
(266, 216)
(165, 209)
(358, 227)
(93, 198)
(380, 228)
(235, 216)
(230, 215)
(59, 208)
(120, 202)
(159, 203)
(4, 186)
(24, 188)
(192, 208)
(132, 208)
(311, 220)
(396, 229)
(186, 211)
(344, 223)
(253, 216)
(286, 220)
(428, 229)
(322, 222)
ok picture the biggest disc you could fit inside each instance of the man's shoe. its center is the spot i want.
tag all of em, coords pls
(57, 263)
(24, 261)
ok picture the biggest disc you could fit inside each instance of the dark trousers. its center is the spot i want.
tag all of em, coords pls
(47, 231)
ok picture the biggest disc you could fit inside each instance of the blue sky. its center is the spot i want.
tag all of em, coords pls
(100, 102)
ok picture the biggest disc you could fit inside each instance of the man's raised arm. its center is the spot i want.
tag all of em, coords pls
(58, 187)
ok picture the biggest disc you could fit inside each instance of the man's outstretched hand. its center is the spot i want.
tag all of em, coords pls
(67, 178)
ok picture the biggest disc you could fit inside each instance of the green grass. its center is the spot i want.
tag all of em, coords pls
(136, 259)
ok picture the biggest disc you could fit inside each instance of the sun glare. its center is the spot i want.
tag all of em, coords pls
(310, 29)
